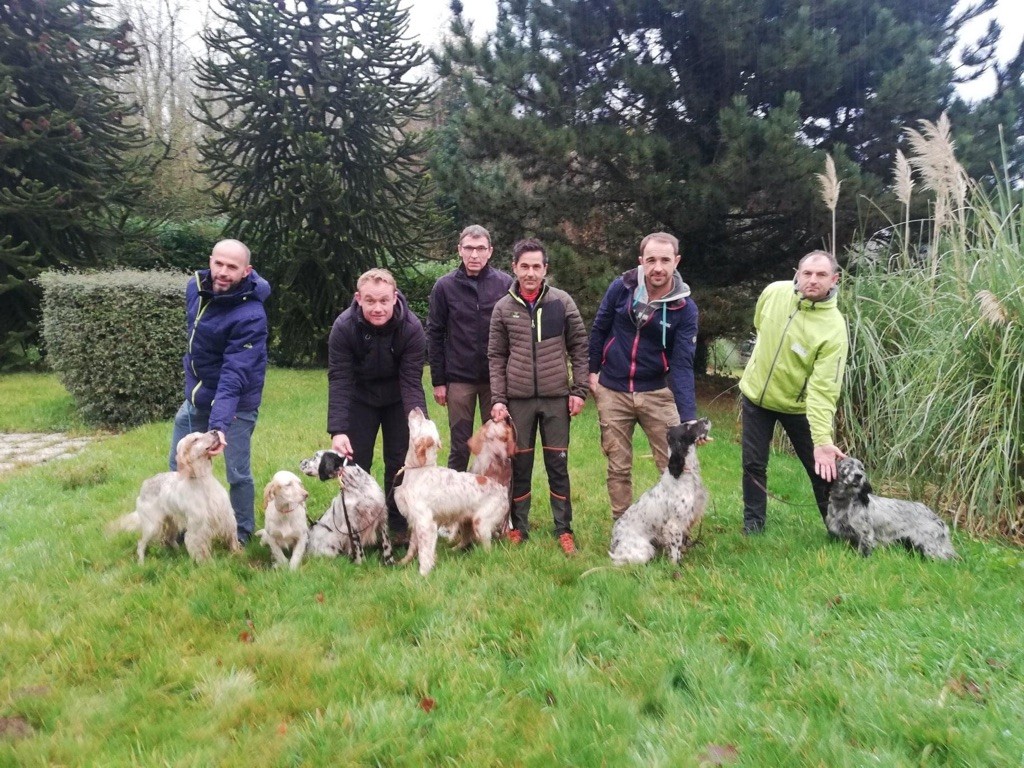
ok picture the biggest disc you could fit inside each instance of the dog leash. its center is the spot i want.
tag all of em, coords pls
(344, 510)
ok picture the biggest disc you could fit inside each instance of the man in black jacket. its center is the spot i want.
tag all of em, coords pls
(375, 378)
(457, 328)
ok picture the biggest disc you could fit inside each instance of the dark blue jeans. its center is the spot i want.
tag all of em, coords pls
(758, 427)
(237, 459)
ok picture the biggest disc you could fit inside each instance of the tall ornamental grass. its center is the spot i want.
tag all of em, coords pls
(935, 385)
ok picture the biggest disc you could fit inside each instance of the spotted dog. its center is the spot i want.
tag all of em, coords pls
(662, 518)
(357, 517)
(868, 521)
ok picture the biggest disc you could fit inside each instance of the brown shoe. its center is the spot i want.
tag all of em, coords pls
(568, 544)
(514, 536)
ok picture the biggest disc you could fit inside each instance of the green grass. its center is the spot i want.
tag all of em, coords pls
(787, 648)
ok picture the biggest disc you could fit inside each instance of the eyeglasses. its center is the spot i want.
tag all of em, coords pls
(481, 249)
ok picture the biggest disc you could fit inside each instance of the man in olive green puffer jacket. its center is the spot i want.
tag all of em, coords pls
(537, 356)
(794, 376)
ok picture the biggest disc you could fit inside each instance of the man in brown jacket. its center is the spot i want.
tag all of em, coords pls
(536, 334)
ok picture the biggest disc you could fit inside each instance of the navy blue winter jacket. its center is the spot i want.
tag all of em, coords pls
(226, 359)
(641, 351)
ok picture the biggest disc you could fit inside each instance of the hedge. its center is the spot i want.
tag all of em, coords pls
(115, 340)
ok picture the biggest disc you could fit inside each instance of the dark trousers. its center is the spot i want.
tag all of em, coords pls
(393, 423)
(758, 426)
(551, 415)
(463, 400)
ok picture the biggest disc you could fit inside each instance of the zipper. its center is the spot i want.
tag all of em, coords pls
(778, 351)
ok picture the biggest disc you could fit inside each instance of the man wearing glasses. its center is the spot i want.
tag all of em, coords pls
(457, 327)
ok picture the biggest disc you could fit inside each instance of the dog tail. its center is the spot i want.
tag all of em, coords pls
(129, 523)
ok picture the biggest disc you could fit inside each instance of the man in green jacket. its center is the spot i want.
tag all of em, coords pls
(794, 377)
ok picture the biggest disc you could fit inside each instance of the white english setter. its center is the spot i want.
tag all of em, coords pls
(664, 515)
(868, 521)
(431, 495)
(285, 525)
(189, 500)
(357, 517)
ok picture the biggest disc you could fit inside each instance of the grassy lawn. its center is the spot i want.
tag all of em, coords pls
(781, 650)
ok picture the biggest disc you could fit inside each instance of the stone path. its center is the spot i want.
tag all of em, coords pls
(20, 449)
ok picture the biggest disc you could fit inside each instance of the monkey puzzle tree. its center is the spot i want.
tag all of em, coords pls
(312, 150)
(68, 144)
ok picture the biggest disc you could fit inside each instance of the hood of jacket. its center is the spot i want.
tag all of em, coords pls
(634, 280)
(252, 286)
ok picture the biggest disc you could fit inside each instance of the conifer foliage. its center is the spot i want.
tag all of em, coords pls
(313, 153)
(707, 118)
(67, 143)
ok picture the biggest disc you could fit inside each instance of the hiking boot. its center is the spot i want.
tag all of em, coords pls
(753, 527)
(568, 544)
(514, 536)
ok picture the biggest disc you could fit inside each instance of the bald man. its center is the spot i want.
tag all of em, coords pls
(225, 365)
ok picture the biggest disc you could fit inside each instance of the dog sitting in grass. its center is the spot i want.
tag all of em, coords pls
(663, 517)
(868, 521)
(285, 525)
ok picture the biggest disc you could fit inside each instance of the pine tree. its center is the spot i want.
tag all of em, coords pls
(313, 152)
(67, 149)
(708, 118)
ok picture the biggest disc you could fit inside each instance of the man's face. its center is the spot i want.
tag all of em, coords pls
(475, 252)
(530, 270)
(377, 300)
(815, 278)
(228, 267)
(659, 261)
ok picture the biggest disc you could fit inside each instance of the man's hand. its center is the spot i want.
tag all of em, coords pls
(825, 458)
(341, 444)
(219, 448)
(441, 395)
(575, 405)
(593, 381)
(499, 412)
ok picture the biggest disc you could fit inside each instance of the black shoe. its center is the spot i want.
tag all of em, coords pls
(753, 528)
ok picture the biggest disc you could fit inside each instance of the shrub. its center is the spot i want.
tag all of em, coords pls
(115, 340)
(935, 384)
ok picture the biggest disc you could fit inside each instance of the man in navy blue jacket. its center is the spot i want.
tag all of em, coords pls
(225, 365)
(641, 361)
(458, 325)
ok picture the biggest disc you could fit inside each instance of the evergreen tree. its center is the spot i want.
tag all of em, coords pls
(312, 107)
(67, 139)
(708, 118)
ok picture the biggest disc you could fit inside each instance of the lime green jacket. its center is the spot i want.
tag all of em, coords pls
(799, 357)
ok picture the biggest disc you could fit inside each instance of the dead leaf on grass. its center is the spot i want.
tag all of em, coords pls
(966, 688)
(427, 704)
(719, 754)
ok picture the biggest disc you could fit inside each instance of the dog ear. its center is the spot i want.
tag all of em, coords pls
(268, 493)
(476, 440)
(865, 490)
(182, 457)
(331, 464)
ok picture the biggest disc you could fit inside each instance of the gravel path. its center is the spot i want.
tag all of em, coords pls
(20, 449)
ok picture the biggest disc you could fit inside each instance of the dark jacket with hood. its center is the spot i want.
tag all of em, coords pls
(638, 345)
(374, 366)
(226, 360)
(459, 322)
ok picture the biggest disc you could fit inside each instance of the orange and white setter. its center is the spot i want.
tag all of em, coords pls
(431, 495)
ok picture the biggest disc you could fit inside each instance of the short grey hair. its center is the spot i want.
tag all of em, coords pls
(814, 254)
(474, 230)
